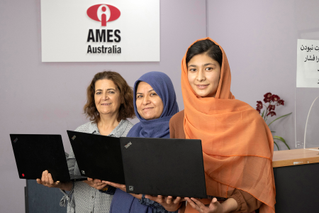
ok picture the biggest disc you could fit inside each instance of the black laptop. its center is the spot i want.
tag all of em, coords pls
(98, 156)
(35, 153)
(159, 166)
(146, 165)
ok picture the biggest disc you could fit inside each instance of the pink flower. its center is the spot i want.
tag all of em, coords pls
(272, 113)
(271, 107)
(271, 102)
(274, 98)
(267, 97)
(259, 105)
(267, 100)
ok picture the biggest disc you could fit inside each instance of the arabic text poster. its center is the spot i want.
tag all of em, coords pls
(308, 63)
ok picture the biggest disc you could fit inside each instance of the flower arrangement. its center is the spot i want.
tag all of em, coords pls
(271, 101)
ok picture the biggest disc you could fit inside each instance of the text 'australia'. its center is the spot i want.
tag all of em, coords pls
(102, 49)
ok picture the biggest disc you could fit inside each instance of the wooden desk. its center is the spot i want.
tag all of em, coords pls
(295, 157)
(297, 180)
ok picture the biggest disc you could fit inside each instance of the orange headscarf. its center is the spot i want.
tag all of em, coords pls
(237, 143)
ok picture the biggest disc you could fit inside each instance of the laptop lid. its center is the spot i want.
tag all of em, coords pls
(98, 156)
(158, 166)
(35, 153)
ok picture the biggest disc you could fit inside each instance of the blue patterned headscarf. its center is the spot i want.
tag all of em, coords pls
(156, 128)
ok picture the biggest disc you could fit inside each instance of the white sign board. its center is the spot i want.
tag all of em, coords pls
(100, 31)
(308, 63)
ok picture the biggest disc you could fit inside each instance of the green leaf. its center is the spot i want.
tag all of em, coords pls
(263, 115)
(279, 118)
(276, 145)
(281, 139)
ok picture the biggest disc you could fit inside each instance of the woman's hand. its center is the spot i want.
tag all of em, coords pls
(95, 183)
(47, 180)
(169, 203)
(123, 188)
(116, 185)
(214, 207)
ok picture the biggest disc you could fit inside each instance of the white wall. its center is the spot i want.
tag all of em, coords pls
(41, 97)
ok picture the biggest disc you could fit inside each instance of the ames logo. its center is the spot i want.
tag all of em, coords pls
(103, 13)
(105, 38)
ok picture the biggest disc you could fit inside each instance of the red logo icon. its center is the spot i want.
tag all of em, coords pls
(103, 13)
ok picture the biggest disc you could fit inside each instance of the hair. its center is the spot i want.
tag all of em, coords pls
(126, 94)
(207, 47)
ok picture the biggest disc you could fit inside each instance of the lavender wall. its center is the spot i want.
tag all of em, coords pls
(41, 97)
(260, 39)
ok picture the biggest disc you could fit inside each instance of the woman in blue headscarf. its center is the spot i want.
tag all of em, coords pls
(154, 105)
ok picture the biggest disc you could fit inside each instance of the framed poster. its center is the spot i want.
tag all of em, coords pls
(100, 31)
(308, 63)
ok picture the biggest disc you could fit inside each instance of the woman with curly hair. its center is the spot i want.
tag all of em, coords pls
(109, 104)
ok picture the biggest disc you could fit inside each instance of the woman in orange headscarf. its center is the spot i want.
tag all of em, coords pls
(237, 144)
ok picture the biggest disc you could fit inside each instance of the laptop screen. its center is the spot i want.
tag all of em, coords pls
(159, 166)
(35, 153)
